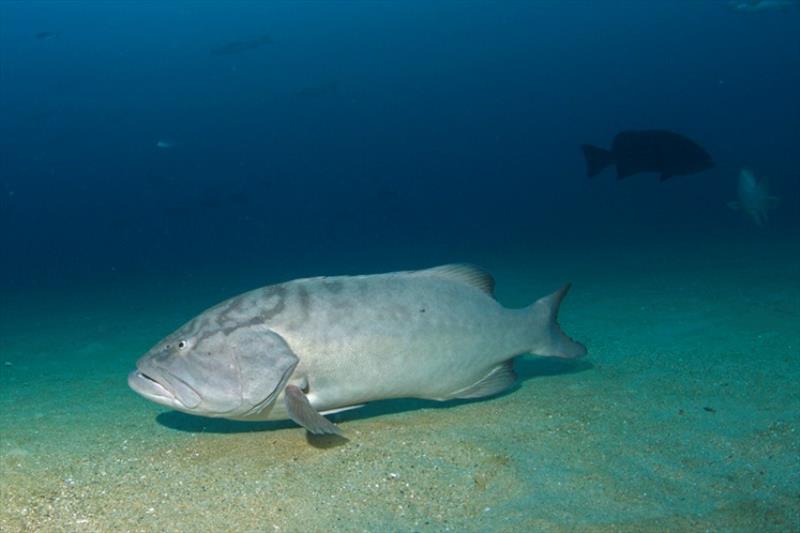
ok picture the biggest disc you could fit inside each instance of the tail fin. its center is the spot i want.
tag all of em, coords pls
(549, 340)
(597, 159)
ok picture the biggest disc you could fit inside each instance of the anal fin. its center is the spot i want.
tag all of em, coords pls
(498, 379)
(301, 411)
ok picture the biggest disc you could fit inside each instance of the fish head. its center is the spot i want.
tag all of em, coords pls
(703, 160)
(685, 156)
(215, 371)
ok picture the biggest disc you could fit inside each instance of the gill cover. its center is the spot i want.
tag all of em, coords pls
(265, 364)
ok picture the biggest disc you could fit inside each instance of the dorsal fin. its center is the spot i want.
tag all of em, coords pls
(464, 273)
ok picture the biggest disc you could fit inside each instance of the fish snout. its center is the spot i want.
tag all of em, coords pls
(151, 389)
(163, 388)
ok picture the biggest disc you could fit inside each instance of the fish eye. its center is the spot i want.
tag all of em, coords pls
(181, 345)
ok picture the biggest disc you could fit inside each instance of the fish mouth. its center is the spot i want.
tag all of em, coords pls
(162, 386)
(165, 390)
(150, 388)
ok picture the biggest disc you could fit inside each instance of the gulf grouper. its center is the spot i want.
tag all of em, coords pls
(633, 152)
(310, 347)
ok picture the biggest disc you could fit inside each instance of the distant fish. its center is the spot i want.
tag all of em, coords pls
(46, 35)
(760, 6)
(754, 198)
(667, 153)
(165, 144)
(237, 47)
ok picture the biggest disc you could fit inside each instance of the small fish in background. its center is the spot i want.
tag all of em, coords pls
(761, 6)
(165, 144)
(237, 47)
(46, 35)
(309, 347)
(633, 152)
(754, 197)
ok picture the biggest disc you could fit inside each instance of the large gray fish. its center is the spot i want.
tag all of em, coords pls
(315, 346)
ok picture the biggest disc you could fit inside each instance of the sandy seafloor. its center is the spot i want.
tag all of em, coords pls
(684, 417)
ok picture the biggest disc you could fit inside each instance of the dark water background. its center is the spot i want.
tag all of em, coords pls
(371, 130)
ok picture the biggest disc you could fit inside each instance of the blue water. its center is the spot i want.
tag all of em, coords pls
(449, 125)
(156, 158)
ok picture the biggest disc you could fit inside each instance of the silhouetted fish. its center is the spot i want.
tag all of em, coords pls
(667, 153)
(236, 47)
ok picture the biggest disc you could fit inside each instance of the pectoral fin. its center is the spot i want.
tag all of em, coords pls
(301, 411)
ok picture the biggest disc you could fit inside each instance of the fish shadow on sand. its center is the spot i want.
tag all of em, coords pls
(525, 367)
(201, 424)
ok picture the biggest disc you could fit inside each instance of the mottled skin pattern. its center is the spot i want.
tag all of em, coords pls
(427, 334)
(427, 340)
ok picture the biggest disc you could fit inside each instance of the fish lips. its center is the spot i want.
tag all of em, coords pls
(149, 388)
(163, 388)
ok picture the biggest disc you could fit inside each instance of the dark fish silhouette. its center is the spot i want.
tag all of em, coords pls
(237, 47)
(667, 153)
